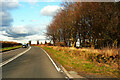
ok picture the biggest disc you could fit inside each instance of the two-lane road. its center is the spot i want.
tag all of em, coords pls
(33, 64)
(9, 54)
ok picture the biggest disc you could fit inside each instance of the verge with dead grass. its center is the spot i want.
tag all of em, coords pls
(74, 60)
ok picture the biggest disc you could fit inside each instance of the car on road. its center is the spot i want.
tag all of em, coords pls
(24, 46)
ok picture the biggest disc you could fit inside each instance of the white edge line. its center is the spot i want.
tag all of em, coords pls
(11, 59)
(58, 69)
(66, 72)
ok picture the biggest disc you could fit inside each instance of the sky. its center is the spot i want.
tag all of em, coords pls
(21, 21)
(24, 20)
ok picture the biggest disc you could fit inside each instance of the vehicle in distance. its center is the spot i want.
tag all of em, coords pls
(24, 46)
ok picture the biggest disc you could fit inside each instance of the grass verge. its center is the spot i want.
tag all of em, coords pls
(81, 65)
(9, 48)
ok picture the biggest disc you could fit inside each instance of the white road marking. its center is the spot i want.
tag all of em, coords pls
(58, 69)
(67, 73)
(11, 59)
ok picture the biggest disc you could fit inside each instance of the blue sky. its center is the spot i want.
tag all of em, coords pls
(26, 12)
(24, 21)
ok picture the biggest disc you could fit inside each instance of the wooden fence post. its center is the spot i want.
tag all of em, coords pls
(119, 59)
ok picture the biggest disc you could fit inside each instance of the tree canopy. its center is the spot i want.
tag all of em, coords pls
(94, 24)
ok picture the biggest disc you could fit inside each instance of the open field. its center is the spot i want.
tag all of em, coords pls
(84, 61)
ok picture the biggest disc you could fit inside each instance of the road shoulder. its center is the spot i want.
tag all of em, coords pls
(59, 67)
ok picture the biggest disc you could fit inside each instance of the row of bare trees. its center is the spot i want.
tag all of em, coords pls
(94, 24)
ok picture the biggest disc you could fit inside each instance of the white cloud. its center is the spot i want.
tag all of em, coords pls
(9, 5)
(5, 38)
(6, 19)
(36, 37)
(24, 39)
(19, 34)
(50, 10)
(4, 33)
(5, 16)
(23, 31)
(19, 30)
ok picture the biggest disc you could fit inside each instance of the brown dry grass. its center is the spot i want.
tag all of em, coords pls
(93, 54)
(106, 51)
(78, 60)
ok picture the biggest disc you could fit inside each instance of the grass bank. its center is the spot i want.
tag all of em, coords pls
(9, 48)
(83, 66)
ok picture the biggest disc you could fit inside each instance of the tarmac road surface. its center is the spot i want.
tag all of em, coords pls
(33, 64)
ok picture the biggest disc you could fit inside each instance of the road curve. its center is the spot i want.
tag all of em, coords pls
(33, 64)
(9, 54)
